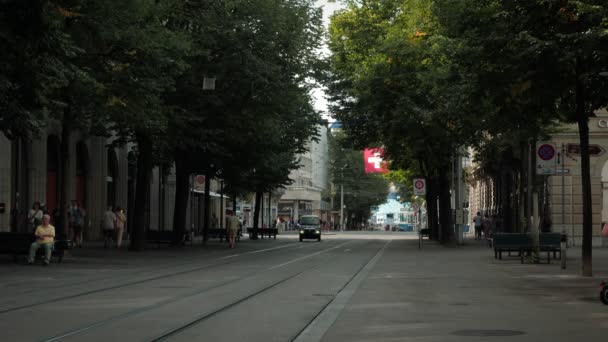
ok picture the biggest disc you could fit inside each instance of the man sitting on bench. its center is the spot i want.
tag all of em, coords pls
(45, 237)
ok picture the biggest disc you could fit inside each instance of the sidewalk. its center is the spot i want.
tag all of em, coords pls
(464, 294)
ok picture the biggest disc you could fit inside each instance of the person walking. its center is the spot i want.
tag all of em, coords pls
(76, 217)
(109, 226)
(121, 223)
(486, 225)
(477, 221)
(233, 229)
(45, 237)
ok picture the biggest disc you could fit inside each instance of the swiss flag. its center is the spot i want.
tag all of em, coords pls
(373, 160)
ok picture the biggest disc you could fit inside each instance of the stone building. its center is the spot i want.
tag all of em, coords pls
(304, 196)
(98, 175)
(567, 214)
(564, 193)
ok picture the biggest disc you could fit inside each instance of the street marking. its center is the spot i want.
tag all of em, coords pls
(258, 251)
(180, 297)
(308, 256)
(316, 329)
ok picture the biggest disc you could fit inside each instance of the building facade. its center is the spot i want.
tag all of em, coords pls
(304, 195)
(98, 175)
(564, 189)
(566, 192)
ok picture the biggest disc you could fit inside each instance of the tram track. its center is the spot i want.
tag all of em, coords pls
(199, 291)
(194, 322)
(228, 260)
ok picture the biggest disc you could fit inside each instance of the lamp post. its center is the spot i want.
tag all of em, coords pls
(208, 85)
(342, 197)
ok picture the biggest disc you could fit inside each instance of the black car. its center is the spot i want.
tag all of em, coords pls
(310, 228)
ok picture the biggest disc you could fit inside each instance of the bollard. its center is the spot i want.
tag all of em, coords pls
(563, 249)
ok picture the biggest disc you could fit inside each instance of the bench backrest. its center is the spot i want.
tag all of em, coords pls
(550, 239)
(512, 239)
(15, 241)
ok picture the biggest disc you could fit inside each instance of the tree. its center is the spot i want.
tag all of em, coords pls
(550, 55)
(263, 55)
(135, 56)
(394, 86)
(37, 65)
(361, 190)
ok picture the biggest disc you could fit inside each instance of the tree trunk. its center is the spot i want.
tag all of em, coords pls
(256, 213)
(445, 206)
(64, 155)
(583, 129)
(523, 211)
(207, 204)
(142, 191)
(182, 194)
(431, 208)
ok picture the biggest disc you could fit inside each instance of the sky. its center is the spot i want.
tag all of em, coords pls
(318, 94)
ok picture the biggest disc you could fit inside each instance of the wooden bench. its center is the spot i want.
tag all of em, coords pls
(422, 233)
(17, 244)
(522, 243)
(511, 242)
(271, 232)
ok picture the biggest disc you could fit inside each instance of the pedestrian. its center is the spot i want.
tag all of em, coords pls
(233, 228)
(486, 225)
(121, 223)
(35, 216)
(76, 217)
(477, 221)
(109, 226)
(45, 237)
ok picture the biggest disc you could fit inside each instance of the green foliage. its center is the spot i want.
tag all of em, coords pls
(37, 65)
(347, 169)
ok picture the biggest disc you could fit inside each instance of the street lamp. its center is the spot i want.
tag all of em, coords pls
(342, 197)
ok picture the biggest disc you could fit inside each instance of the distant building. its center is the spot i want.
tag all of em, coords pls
(395, 214)
(304, 196)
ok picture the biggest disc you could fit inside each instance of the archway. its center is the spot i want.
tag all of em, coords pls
(52, 172)
(112, 177)
(82, 172)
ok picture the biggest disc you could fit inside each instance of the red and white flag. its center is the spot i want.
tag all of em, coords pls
(374, 163)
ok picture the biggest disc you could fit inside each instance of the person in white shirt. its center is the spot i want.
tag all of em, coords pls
(108, 225)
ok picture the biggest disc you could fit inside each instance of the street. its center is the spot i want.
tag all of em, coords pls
(350, 287)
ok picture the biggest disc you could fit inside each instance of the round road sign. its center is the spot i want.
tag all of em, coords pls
(419, 184)
(546, 152)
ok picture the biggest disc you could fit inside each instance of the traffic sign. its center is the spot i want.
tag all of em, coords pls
(546, 161)
(419, 186)
(594, 150)
(199, 183)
